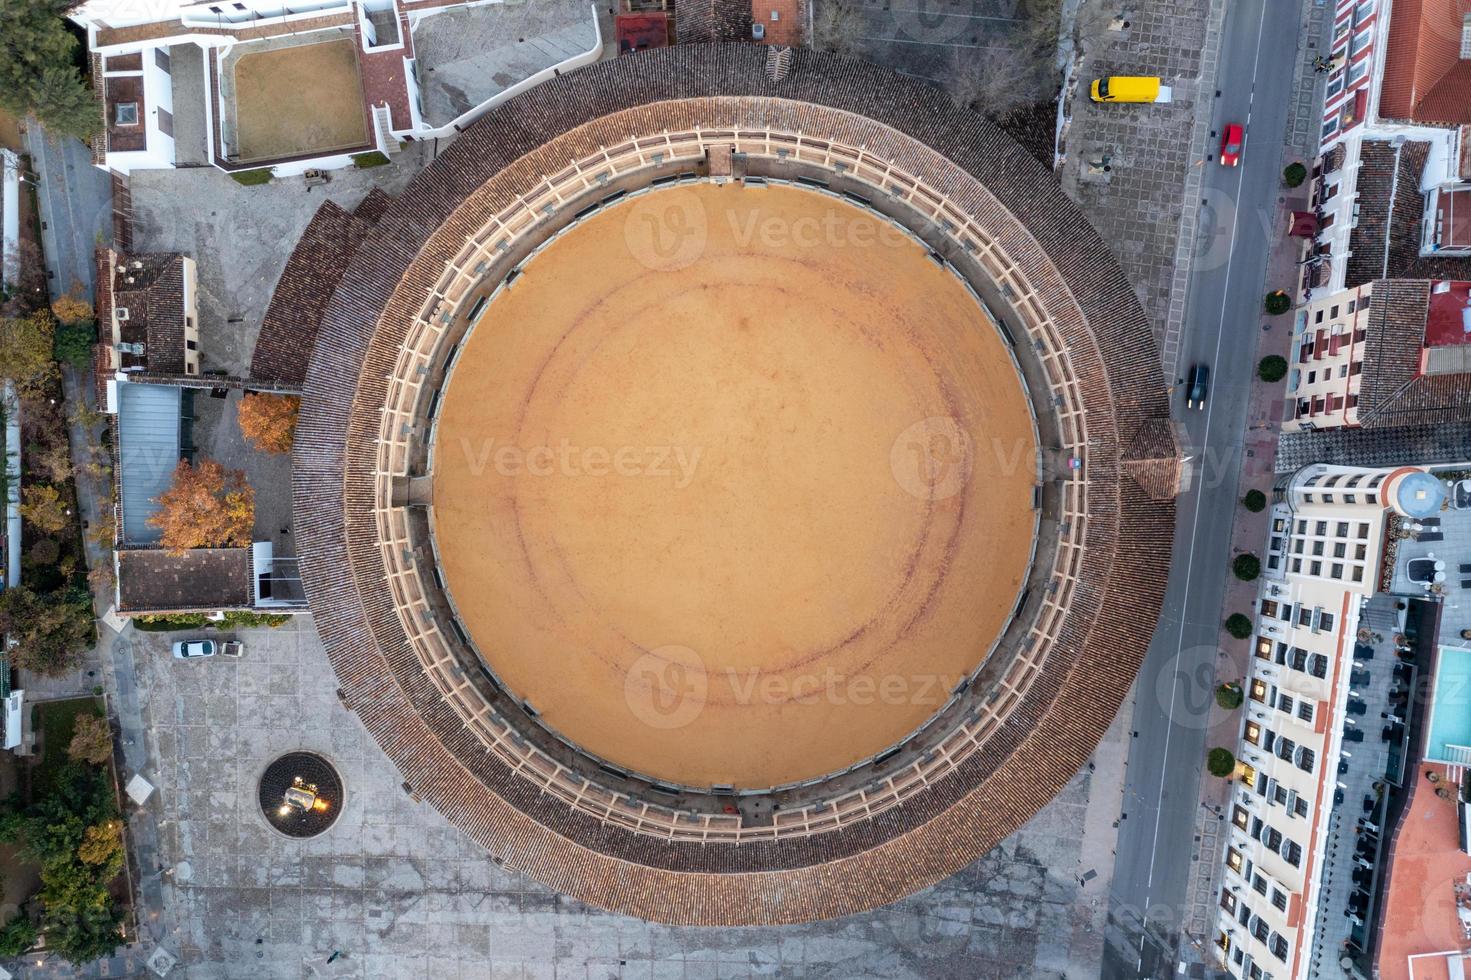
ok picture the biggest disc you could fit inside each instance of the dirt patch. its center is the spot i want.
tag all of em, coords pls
(299, 100)
(734, 484)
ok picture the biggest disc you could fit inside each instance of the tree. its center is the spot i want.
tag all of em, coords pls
(838, 26)
(1238, 626)
(1272, 368)
(71, 308)
(269, 421)
(91, 740)
(1254, 501)
(1246, 566)
(39, 68)
(1220, 762)
(103, 845)
(53, 462)
(26, 349)
(18, 935)
(1229, 696)
(73, 344)
(1277, 303)
(206, 507)
(50, 631)
(996, 82)
(1294, 174)
(44, 508)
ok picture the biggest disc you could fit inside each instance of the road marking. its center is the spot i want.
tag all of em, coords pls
(1205, 440)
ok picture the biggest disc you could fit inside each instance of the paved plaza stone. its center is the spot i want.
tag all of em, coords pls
(399, 892)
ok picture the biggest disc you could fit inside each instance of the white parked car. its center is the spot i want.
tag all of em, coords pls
(194, 649)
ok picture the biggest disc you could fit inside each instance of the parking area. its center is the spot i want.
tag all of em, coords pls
(397, 891)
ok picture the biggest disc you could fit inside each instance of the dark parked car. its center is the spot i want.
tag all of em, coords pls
(1197, 386)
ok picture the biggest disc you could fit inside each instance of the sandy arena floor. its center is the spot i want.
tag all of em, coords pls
(733, 485)
(299, 100)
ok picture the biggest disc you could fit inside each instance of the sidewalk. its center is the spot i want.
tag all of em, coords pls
(1249, 531)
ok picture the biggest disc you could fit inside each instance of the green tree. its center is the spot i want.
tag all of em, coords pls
(1294, 174)
(1272, 368)
(1229, 696)
(1254, 501)
(1277, 302)
(18, 935)
(1246, 566)
(39, 60)
(73, 344)
(1220, 762)
(1238, 626)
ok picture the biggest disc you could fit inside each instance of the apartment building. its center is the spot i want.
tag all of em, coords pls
(1324, 560)
(1387, 353)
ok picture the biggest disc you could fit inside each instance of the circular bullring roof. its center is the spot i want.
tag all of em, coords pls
(626, 481)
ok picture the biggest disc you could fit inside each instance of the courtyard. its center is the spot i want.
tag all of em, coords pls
(288, 98)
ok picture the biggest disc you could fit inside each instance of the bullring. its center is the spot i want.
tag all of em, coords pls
(523, 183)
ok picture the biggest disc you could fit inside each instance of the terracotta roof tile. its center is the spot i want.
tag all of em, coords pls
(202, 580)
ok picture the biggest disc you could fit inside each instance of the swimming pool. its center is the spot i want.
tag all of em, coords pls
(1450, 711)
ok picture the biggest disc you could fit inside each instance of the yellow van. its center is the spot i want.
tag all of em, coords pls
(1129, 88)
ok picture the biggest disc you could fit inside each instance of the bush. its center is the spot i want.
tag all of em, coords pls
(1273, 367)
(1220, 762)
(1294, 175)
(73, 343)
(1238, 626)
(1246, 566)
(1229, 696)
(1278, 302)
(19, 935)
(1254, 501)
(237, 619)
(252, 178)
(372, 158)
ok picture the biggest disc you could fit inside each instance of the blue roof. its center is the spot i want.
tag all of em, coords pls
(1419, 495)
(148, 433)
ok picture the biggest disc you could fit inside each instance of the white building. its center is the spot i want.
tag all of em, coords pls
(1324, 560)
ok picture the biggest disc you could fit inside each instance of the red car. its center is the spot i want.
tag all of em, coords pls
(1231, 146)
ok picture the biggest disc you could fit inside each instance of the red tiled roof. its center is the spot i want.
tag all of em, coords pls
(1047, 732)
(1424, 76)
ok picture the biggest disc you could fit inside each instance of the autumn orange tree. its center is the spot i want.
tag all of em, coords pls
(207, 506)
(91, 740)
(44, 508)
(268, 421)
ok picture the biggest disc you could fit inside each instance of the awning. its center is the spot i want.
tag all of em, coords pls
(1304, 224)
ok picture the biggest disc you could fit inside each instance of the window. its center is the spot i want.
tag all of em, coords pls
(1253, 732)
(1279, 899)
(125, 114)
(1361, 41)
(1233, 860)
(191, 344)
(1305, 711)
(1330, 127)
(1317, 568)
(1284, 703)
(1318, 547)
(1259, 885)
(1239, 817)
(1321, 528)
(1299, 659)
(1304, 615)
(1292, 854)
(1300, 807)
(1325, 620)
(1318, 665)
(1306, 759)
(1259, 691)
(1285, 748)
(1228, 901)
(1340, 550)
(1279, 947)
(1363, 531)
(1279, 797)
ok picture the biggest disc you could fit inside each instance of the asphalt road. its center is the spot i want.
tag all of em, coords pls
(1152, 871)
(76, 207)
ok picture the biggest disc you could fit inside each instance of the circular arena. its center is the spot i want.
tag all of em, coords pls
(733, 485)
